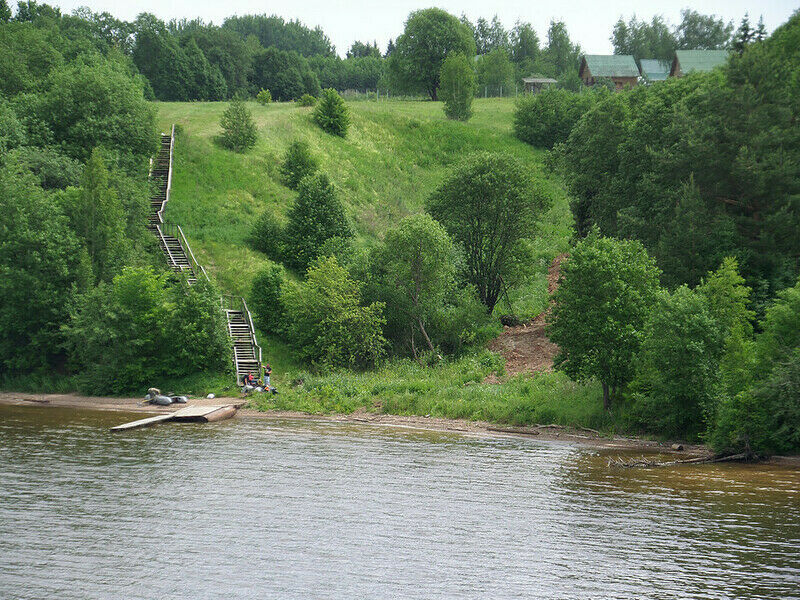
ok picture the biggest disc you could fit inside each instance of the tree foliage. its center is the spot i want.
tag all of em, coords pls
(331, 113)
(488, 204)
(239, 131)
(603, 303)
(315, 217)
(430, 35)
(327, 322)
(297, 163)
(457, 87)
(547, 118)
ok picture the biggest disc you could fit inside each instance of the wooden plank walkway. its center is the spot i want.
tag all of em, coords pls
(197, 414)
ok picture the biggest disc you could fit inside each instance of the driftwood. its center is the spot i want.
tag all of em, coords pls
(644, 462)
(513, 430)
(39, 400)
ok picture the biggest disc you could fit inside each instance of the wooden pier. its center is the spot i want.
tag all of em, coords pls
(196, 414)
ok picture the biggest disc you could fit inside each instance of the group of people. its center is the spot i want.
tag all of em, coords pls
(251, 383)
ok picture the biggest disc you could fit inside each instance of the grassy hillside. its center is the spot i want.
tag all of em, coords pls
(394, 155)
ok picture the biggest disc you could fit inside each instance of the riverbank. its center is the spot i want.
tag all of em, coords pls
(544, 432)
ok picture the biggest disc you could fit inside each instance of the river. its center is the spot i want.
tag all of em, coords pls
(254, 508)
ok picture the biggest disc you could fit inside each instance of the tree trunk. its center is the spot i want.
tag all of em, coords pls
(425, 335)
(606, 397)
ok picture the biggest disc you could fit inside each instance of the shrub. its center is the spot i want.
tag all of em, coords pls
(331, 113)
(546, 118)
(316, 216)
(327, 322)
(297, 163)
(306, 100)
(264, 97)
(267, 236)
(266, 299)
(457, 87)
(238, 129)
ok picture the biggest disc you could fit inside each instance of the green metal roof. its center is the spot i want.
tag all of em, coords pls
(611, 65)
(654, 69)
(700, 60)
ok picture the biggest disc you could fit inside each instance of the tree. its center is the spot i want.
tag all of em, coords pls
(524, 43)
(416, 266)
(5, 12)
(430, 36)
(331, 113)
(743, 35)
(362, 50)
(42, 268)
(547, 118)
(266, 299)
(496, 72)
(264, 97)
(238, 128)
(702, 32)
(679, 365)
(327, 323)
(297, 163)
(602, 305)
(98, 219)
(489, 204)
(287, 75)
(457, 87)
(644, 40)
(560, 52)
(316, 216)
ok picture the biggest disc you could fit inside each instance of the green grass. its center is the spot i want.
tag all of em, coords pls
(455, 390)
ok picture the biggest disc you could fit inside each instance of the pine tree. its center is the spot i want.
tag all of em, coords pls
(5, 12)
(238, 129)
(761, 31)
(744, 35)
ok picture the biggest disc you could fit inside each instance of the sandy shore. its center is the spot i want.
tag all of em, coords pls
(542, 432)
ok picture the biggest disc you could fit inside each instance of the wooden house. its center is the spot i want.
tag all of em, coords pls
(653, 69)
(535, 85)
(619, 68)
(686, 61)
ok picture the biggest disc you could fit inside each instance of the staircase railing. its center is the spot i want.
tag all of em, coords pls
(230, 302)
(162, 240)
(169, 176)
(175, 231)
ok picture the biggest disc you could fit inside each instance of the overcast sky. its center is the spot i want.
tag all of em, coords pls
(589, 22)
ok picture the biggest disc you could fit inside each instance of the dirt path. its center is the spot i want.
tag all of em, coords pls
(554, 433)
(526, 347)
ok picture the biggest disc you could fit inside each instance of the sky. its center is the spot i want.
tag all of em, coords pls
(589, 22)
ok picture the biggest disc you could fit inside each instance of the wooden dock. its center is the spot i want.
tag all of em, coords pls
(196, 414)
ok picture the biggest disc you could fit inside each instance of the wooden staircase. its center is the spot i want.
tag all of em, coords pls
(181, 259)
(246, 351)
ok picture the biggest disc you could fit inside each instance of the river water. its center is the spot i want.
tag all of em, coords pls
(252, 508)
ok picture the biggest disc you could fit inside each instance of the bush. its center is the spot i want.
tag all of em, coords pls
(297, 163)
(267, 236)
(331, 113)
(546, 118)
(306, 100)
(264, 97)
(327, 323)
(137, 330)
(316, 216)
(266, 299)
(457, 87)
(238, 129)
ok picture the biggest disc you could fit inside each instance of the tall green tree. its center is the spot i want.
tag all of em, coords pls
(430, 35)
(43, 267)
(496, 72)
(315, 217)
(644, 40)
(457, 87)
(416, 267)
(602, 306)
(331, 113)
(702, 32)
(488, 204)
(98, 219)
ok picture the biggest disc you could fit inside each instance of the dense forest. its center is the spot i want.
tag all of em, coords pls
(680, 295)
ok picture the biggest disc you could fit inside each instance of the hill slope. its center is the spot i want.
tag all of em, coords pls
(394, 155)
